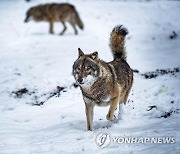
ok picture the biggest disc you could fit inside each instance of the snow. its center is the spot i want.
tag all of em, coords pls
(31, 58)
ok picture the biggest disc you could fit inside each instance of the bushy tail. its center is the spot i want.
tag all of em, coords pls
(78, 20)
(117, 42)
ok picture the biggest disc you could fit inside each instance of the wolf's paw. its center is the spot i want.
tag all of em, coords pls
(108, 117)
(51, 33)
(113, 119)
(89, 128)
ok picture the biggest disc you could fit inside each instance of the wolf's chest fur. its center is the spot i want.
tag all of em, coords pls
(100, 98)
(101, 92)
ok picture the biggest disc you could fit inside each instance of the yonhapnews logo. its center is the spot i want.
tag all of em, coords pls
(105, 139)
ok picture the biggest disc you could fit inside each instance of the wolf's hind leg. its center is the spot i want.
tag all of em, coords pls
(75, 30)
(64, 28)
(126, 95)
(120, 110)
(72, 23)
(113, 107)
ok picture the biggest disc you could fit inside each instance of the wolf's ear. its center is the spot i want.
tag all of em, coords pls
(81, 53)
(94, 55)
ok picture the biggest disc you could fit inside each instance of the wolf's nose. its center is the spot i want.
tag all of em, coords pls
(80, 80)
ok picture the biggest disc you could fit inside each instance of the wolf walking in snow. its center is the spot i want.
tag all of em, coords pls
(104, 83)
(51, 13)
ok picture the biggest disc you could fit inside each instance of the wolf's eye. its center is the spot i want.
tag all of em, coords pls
(78, 69)
(87, 68)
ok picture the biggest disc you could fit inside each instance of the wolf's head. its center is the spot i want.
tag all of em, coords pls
(34, 13)
(85, 69)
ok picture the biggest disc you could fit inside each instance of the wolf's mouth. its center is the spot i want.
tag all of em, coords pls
(81, 83)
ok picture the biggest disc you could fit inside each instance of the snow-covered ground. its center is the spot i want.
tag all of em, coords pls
(31, 58)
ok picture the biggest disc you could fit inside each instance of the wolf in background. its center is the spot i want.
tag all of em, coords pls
(104, 83)
(51, 13)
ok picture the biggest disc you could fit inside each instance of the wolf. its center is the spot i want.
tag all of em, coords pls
(104, 83)
(51, 13)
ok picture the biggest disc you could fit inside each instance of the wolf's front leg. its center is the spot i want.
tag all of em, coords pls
(89, 115)
(51, 31)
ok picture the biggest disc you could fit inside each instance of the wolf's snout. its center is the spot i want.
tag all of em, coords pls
(80, 80)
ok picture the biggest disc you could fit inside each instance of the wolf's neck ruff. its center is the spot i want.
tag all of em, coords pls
(88, 83)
